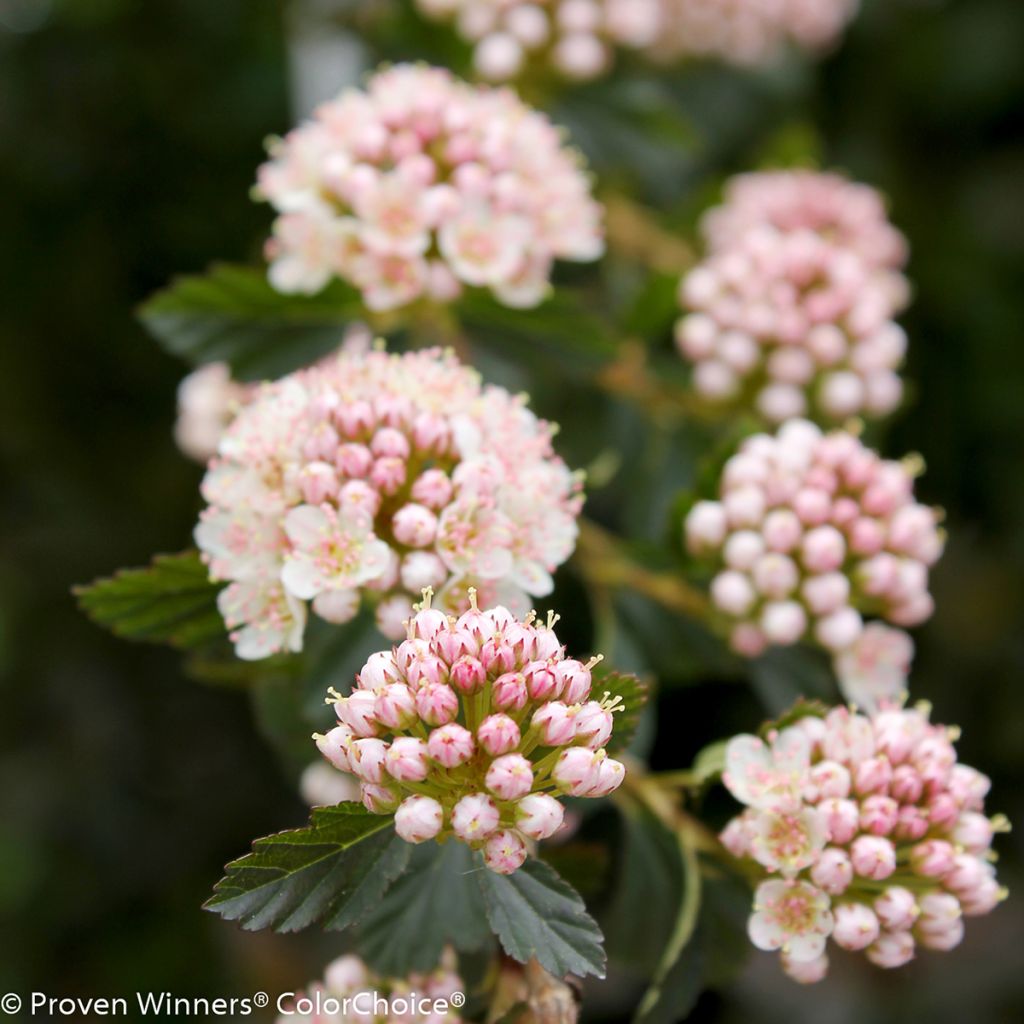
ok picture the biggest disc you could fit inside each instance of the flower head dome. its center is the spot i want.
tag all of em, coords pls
(867, 831)
(370, 476)
(792, 309)
(472, 728)
(575, 37)
(421, 185)
(750, 32)
(812, 533)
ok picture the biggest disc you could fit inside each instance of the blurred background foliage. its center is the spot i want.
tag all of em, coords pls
(129, 135)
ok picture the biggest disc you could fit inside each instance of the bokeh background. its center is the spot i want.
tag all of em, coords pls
(129, 134)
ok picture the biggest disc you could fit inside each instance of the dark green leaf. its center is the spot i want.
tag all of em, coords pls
(650, 876)
(633, 695)
(233, 314)
(436, 902)
(333, 870)
(561, 328)
(170, 601)
(535, 913)
(783, 675)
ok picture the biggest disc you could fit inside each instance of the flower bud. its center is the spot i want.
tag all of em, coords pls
(437, 704)
(575, 681)
(833, 871)
(593, 725)
(555, 724)
(856, 926)
(505, 852)
(932, 858)
(873, 857)
(539, 816)
(509, 692)
(406, 759)
(418, 819)
(474, 817)
(498, 734)
(891, 949)
(334, 746)
(451, 745)
(509, 777)
(367, 757)
(468, 675)
(395, 706)
(896, 908)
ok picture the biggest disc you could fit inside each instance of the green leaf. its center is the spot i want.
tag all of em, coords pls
(782, 676)
(650, 875)
(561, 328)
(709, 764)
(435, 903)
(334, 870)
(535, 913)
(233, 314)
(170, 601)
(633, 695)
(677, 981)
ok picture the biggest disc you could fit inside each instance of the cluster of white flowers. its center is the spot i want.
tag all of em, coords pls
(421, 185)
(373, 476)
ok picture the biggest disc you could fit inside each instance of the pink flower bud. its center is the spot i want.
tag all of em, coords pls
(358, 712)
(933, 858)
(782, 530)
(593, 725)
(380, 670)
(353, 461)
(378, 798)
(943, 937)
(388, 474)
(873, 857)
(453, 644)
(906, 785)
(318, 482)
(968, 786)
(468, 675)
(414, 525)
(610, 774)
(833, 871)
(896, 909)
(839, 630)
(388, 442)
(743, 549)
(879, 814)
(541, 681)
(437, 704)
(474, 817)
(497, 657)
(842, 818)
(432, 489)
(783, 622)
(555, 724)
(539, 816)
(418, 819)
(943, 811)
(576, 770)
(498, 734)
(334, 746)
(973, 832)
(745, 506)
(805, 972)
(891, 949)
(509, 777)
(823, 549)
(367, 757)
(356, 418)
(826, 593)
(982, 898)
(775, 575)
(430, 433)
(450, 745)
(912, 823)
(395, 706)
(509, 692)
(427, 623)
(733, 593)
(856, 926)
(505, 852)
(828, 779)
(705, 526)
(872, 776)
(406, 759)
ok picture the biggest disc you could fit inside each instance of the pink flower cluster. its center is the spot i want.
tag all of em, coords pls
(792, 309)
(576, 37)
(350, 991)
(867, 830)
(472, 728)
(811, 533)
(422, 185)
(371, 476)
(751, 32)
